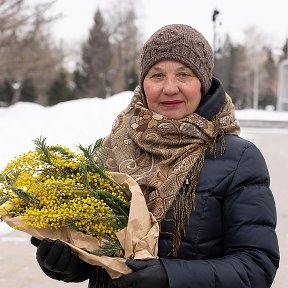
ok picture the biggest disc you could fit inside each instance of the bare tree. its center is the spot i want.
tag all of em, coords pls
(125, 38)
(20, 23)
(254, 45)
(26, 49)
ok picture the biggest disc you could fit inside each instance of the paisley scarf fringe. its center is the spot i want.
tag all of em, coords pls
(185, 203)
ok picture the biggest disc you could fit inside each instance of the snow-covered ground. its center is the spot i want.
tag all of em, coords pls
(84, 121)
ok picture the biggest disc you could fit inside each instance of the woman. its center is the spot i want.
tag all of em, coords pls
(207, 187)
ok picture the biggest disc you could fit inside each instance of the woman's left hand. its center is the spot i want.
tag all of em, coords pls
(146, 273)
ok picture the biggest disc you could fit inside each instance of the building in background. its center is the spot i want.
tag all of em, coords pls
(282, 100)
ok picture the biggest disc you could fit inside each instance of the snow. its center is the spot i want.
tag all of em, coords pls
(252, 114)
(72, 123)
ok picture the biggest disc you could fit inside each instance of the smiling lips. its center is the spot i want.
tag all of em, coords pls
(171, 104)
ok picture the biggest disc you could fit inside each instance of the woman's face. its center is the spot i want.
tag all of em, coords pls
(172, 89)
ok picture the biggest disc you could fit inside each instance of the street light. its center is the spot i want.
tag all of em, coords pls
(214, 19)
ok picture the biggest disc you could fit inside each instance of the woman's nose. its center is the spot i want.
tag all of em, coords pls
(170, 86)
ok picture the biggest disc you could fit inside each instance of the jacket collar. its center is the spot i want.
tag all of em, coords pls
(212, 101)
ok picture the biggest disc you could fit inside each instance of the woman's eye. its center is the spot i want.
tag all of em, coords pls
(183, 75)
(157, 75)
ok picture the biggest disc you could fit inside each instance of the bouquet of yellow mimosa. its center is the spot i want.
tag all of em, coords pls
(54, 192)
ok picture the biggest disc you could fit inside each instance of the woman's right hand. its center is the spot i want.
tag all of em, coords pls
(58, 261)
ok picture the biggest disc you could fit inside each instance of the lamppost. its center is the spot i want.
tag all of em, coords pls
(214, 20)
(282, 100)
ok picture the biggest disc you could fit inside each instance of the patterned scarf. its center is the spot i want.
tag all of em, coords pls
(159, 153)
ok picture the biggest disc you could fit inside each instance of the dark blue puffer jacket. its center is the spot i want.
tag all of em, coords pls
(230, 241)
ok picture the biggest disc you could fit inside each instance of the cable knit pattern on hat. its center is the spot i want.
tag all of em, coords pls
(181, 43)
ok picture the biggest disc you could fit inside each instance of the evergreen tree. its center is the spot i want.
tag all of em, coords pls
(96, 58)
(79, 84)
(226, 68)
(285, 50)
(60, 90)
(28, 91)
(6, 93)
(267, 90)
(223, 63)
(132, 80)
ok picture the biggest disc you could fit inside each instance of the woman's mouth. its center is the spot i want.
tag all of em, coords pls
(172, 103)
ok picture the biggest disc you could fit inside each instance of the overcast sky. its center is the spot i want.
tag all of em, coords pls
(270, 17)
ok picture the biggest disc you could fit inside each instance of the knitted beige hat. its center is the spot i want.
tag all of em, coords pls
(181, 43)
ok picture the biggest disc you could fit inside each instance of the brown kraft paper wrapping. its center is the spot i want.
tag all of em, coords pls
(139, 239)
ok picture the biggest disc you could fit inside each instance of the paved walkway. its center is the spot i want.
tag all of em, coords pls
(274, 148)
(18, 266)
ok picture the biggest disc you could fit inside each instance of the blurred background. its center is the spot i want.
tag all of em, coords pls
(61, 62)
(58, 50)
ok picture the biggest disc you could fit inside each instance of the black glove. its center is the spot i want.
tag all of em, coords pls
(58, 261)
(146, 273)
